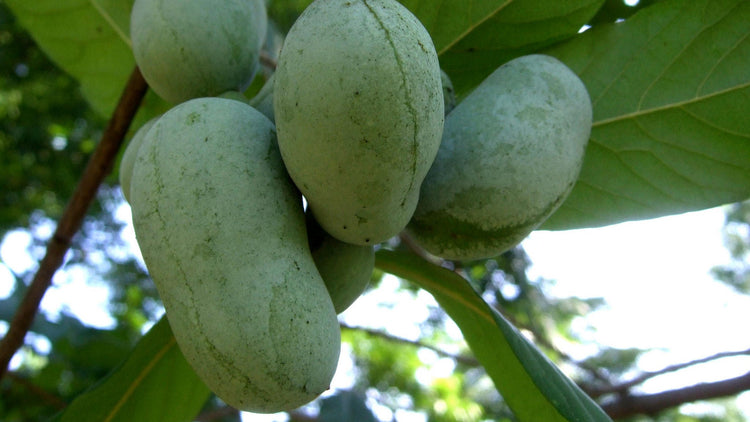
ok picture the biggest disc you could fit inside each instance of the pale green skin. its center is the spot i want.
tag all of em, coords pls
(512, 151)
(359, 110)
(345, 268)
(449, 94)
(128, 157)
(197, 48)
(222, 231)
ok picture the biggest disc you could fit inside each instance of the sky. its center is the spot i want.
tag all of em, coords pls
(655, 277)
(653, 274)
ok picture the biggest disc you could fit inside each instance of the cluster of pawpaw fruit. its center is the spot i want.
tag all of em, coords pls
(357, 118)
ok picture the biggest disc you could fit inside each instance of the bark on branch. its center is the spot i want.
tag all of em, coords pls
(99, 166)
(462, 359)
(629, 405)
(622, 388)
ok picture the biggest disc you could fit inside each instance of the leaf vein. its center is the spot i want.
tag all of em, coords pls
(617, 155)
(108, 18)
(141, 376)
(472, 27)
(678, 104)
(665, 70)
(714, 125)
(710, 73)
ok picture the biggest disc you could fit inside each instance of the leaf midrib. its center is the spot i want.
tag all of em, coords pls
(675, 105)
(388, 262)
(139, 379)
(471, 28)
(111, 22)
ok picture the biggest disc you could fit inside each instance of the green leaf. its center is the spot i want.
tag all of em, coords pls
(671, 94)
(154, 383)
(474, 37)
(88, 39)
(532, 386)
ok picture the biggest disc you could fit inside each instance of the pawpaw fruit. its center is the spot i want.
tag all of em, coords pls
(358, 103)
(197, 48)
(511, 152)
(222, 231)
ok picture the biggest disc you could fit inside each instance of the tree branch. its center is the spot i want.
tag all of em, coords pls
(267, 60)
(629, 405)
(623, 387)
(43, 394)
(98, 167)
(466, 360)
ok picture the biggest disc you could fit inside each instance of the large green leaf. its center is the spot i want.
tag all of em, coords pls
(531, 385)
(155, 383)
(671, 94)
(88, 39)
(474, 37)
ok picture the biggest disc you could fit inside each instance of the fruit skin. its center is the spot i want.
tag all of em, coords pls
(128, 157)
(345, 268)
(359, 110)
(197, 48)
(222, 231)
(449, 94)
(511, 152)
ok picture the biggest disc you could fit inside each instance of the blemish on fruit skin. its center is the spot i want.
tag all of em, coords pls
(192, 118)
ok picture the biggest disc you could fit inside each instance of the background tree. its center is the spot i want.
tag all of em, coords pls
(52, 121)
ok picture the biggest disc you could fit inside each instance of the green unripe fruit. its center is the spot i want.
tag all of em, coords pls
(449, 94)
(359, 111)
(197, 48)
(511, 152)
(128, 157)
(222, 231)
(345, 268)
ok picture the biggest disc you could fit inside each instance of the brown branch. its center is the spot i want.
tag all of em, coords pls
(297, 416)
(98, 167)
(466, 360)
(623, 387)
(650, 404)
(43, 394)
(267, 60)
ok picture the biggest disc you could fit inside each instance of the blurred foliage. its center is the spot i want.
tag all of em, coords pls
(46, 129)
(736, 274)
(719, 410)
(345, 406)
(47, 132)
